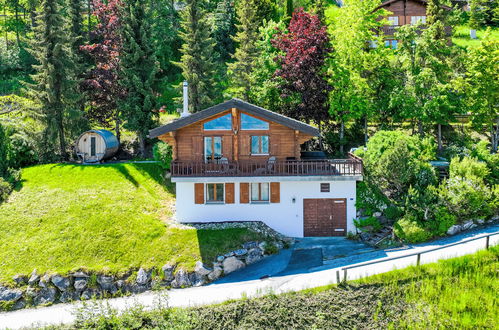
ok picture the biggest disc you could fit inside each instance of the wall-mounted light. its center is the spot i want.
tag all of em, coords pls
(293, 200)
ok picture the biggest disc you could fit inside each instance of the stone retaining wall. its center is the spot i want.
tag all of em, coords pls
(44, 289)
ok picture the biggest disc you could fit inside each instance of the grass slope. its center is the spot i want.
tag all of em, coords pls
(101, 218)
(458, 293)
(461, 36)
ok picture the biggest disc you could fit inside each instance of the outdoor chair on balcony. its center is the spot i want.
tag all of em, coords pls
(268, 168)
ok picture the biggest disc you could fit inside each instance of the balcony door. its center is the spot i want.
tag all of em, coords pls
(212, 149)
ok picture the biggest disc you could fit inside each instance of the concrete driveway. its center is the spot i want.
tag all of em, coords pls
(305, 255)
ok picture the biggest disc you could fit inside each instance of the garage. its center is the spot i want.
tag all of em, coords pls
(324, 217)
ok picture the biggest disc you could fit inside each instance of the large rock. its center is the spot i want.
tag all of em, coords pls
(106, 283)
(45, 296)
(201, 269)
(7, 294)
(250, 245)
(220, 258)
(215, 274)
(20, 304)
(232, 264)
(62, 283)
(69, 296)
(253, 256)
(181, 279)
(168, 272)
(44, 281)
(467, 225)
(196, 279)
(34, 278)
(90, 293)
(80, 284)
(377, 214)
(143, 277)
(20, 279)
(240, 252)
(453, 230)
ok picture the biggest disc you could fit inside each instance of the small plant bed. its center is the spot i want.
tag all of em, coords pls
(456, 293)
(74, 232)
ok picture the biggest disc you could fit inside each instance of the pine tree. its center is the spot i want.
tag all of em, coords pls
(224, 29)
(246, 52)
(138, 67)
(54, 86)
(436, 17)
(198, 56)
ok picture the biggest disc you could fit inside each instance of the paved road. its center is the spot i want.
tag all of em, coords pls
(231, 288)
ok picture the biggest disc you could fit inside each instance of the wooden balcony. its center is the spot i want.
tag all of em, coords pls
(327, 167)
(389, 30)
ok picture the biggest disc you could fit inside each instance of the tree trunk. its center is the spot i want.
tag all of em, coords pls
(420, 127)
(321, 142)
(117, 130)
(494, 134)
(342, 135)
(439, 137)
(32, 16)
(366, 132)
(142, 144)
(62, 140)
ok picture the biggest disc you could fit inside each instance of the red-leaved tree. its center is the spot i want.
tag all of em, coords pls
(101, 83)
(305, 48)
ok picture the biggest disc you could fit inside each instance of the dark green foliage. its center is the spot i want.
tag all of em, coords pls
(225, 29)
(4, 152)
(370, 224)
(162, 153)
(198, 61)
(408, 229)
(393, 212)
(138, 69)
(240, 71)
(5, 189)
(55, 80)
(441, 222)
(370, 198)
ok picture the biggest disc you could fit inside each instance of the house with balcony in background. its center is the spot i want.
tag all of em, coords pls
(404, 12)
(239, 162)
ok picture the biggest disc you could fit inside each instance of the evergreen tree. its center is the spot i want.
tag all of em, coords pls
(75, 11)
(225, 29)
(54, 86)
(138, 67)
(198, 61)
(246, 52)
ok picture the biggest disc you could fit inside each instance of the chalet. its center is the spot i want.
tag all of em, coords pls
(239, 162)
(404, 12)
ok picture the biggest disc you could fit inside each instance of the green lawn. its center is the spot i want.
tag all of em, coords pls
(101, 218)
(458, 293)
(461, 36)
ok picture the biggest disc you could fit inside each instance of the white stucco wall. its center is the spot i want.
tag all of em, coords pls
(286, 217)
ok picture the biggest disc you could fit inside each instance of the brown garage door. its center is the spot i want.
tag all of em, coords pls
(324, 217)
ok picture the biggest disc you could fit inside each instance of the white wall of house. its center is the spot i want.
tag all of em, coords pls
(286, 217)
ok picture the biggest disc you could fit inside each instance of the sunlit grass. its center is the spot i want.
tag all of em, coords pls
(101, 218)
(461, 36)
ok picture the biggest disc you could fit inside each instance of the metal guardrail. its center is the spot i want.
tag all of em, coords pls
(417, 254)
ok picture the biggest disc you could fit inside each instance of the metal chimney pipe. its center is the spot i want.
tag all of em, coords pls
(185, 111)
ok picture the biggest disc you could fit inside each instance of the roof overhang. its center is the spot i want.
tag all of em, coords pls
(241, 105)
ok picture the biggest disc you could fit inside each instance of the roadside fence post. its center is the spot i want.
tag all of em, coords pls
(344, 275)
(418, 260)
(487, 242)
(338, 280)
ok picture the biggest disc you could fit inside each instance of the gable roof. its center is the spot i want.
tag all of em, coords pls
(425, 2)
(239, 104)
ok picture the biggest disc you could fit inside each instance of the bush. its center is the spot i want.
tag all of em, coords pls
(393, 212)
(409, 230)
(369, 198)
(441, 222)
(370, 224)
(5, 189)
(162, 153)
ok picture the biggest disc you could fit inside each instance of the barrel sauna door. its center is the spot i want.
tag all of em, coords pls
(324, 217)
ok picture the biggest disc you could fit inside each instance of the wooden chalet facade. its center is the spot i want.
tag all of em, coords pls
(239, 162)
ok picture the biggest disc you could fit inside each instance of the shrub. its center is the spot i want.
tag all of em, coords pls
(162, 153)
(370, 224)
(409, 230)
(5, 189)
(393, 212)
(441, 222)
(369, 198)
(481, 152)
(469, 168)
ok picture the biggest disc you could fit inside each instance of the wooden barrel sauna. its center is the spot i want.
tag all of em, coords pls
(96, 145)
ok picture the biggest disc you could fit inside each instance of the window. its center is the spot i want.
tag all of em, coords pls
(416, 19)
(212, 148)
(214, 193)
(393, 20)
(252, 123)
(325, 187)
(391, 43)
(260, 192)
(223, 123)
(260, 145)
(92, 146)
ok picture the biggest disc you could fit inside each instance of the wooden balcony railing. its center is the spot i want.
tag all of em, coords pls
(330, 167)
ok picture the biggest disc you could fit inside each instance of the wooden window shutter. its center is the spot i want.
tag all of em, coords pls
(245, 145)
(229, 193)
(244, 193)
(199, 193)
(227, 147)
(275, 192)
(197, 147)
